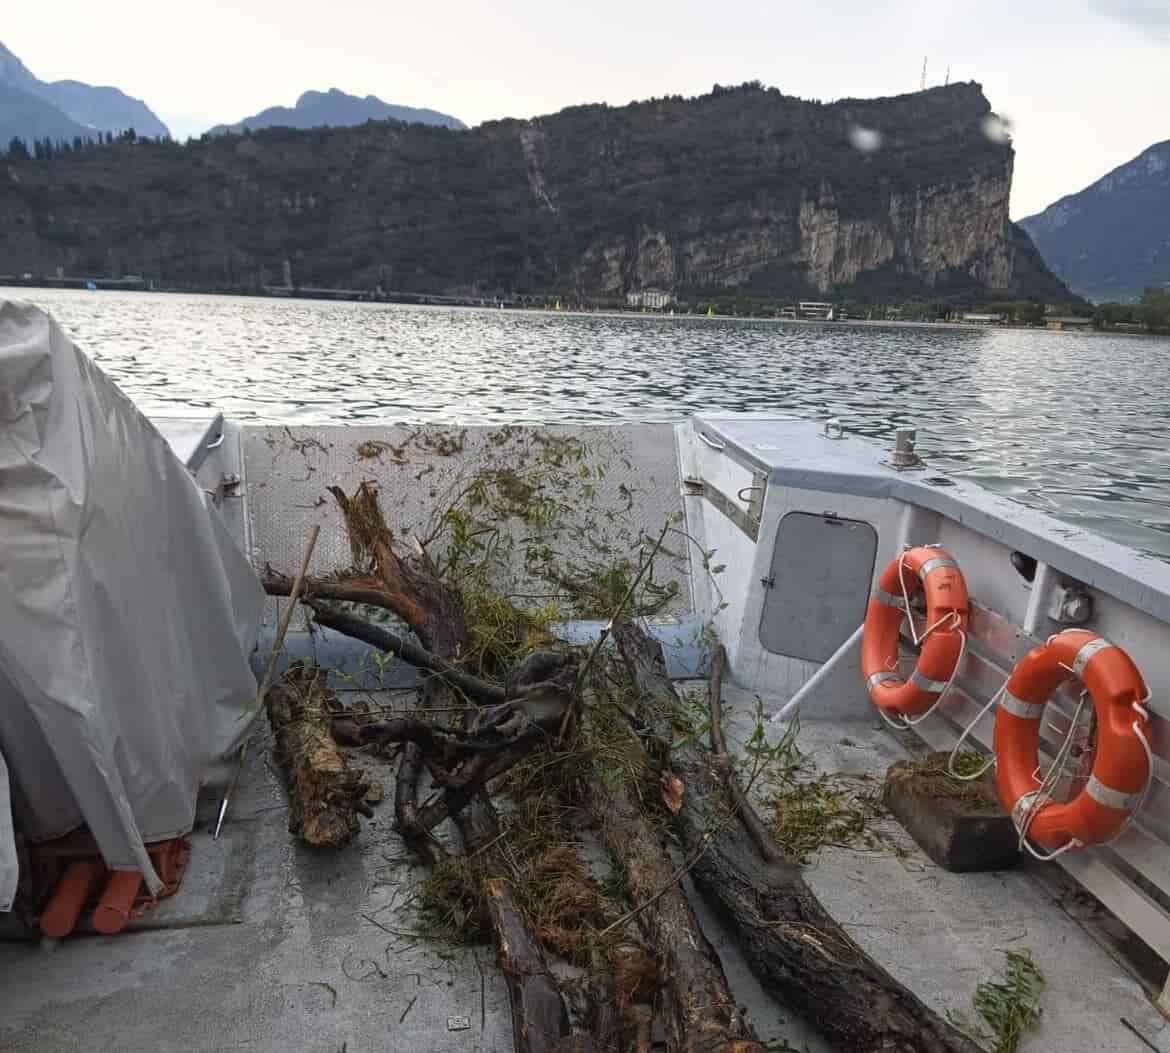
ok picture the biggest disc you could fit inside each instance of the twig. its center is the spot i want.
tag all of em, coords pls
(674, 880)
(1129, 1026)
(407, 650)
(741, 805)
(269, 669)
(608, 628)
(389, 931)
(286, 617)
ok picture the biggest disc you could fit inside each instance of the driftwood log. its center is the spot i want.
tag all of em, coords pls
(793, 945)
(412, 588)
(540, 1022)
(700, 1016)
(498, 737)
(392, 643)
(325, 794)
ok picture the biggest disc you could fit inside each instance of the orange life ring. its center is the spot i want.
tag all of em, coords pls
(936, 573)
(1121, 765)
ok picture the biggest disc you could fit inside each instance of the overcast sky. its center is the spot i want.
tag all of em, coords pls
(1086, 83)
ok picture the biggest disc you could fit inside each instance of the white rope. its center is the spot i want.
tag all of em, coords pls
(963, 738)
(943, 693)
(1068, 846)
(1044, 793)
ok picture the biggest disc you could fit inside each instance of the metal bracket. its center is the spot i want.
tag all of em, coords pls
(768, 582)
(1070, 605)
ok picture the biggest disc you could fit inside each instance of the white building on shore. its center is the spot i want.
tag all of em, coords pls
(655, 299)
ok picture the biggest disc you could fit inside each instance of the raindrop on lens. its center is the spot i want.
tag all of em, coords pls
(997, 129)
(866, 140)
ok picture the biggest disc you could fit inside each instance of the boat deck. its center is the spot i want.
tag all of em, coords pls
(271, 946)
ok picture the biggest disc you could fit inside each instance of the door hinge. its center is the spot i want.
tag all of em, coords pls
(768, 583)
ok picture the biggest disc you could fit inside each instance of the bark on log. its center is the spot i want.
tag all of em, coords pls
(540, 1021)
(406, 819)
(543, 705)
(793, 945)
(744, 810)
(410, 585)
(412, 588)
(606, 1020)
(701, 1015)
(391, 643)
(325, 794)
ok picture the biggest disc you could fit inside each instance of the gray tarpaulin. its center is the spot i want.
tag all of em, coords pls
(126, 611)
(9, 871)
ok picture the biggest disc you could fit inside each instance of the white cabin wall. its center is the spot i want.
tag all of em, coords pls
(754, 667)
(711, 531)
(992, 581)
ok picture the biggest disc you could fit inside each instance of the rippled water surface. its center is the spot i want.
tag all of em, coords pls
(1078, 425)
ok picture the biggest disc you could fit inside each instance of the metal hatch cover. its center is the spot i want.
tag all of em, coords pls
(818, 585)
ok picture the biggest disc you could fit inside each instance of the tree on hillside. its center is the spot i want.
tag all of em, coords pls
(1154, 309)
(1109, 314)
(17, 150)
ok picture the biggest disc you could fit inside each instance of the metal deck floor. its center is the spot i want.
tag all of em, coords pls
(940, 933)
(272, 947)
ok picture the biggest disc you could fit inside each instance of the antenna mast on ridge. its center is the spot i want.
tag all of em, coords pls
(922, 84)
(947, 80)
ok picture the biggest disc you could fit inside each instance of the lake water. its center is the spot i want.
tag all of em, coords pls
(1077, 425)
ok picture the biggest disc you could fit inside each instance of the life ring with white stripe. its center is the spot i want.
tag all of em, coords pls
(935, 572)
(1121, 760)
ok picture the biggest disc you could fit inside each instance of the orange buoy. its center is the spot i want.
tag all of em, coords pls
(935, 572)
(113, 909)
(77, 884)
(1121, 761)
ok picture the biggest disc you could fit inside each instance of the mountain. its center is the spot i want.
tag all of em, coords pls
(1112, 240)
(87, 108)
(743, 188)
(104, 108)
(28, 117)
(335, 109)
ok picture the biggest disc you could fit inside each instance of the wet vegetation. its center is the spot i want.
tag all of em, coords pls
(579, 786)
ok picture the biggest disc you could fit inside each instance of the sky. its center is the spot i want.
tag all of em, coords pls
(1085, 83)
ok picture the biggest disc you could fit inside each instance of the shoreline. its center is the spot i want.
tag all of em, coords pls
(9, 283)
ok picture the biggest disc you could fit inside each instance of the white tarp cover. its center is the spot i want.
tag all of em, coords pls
(9, 870)
(127, 613)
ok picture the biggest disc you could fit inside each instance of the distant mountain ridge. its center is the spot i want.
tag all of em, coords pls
(1111, 240)
(743, 190)
(29, 118)
(27, 106)
(336, 109)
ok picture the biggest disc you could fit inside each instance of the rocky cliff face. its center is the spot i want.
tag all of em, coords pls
(1112, 240)
(741, 188)
(942, 230)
